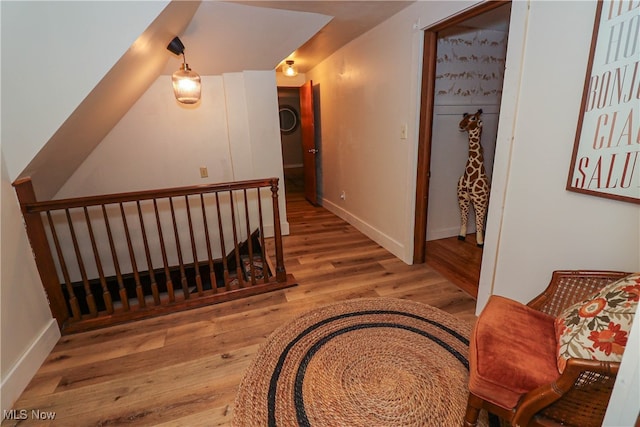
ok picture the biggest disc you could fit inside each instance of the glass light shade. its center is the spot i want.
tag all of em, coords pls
(289, 69)
(186, 85)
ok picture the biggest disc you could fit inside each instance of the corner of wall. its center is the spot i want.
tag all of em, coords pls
(384, 240)
(19, 375)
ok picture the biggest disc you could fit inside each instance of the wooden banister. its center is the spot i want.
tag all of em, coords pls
(281, 273)
(111, 199)
(98, 257)
(41, 251)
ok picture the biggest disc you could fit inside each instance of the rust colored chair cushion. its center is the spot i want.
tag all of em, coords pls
(598, 327)
(512, 351)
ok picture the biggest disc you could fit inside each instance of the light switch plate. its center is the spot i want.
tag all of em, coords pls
(403, 131)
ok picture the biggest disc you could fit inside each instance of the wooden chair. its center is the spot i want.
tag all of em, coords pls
(539, 397)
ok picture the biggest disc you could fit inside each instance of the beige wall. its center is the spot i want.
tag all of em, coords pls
(165, 143)
(530, 209)
(368, 90)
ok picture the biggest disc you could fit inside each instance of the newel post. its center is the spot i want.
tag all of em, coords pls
(41, 251)
(281, 273)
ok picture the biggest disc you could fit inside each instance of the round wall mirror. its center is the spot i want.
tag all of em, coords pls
(288, 119)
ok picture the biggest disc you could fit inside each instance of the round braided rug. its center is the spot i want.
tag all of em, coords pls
(363, 362)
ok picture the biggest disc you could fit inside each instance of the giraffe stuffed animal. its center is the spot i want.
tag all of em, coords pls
(473, 185)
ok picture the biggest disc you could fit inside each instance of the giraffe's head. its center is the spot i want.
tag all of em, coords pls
(470, 122)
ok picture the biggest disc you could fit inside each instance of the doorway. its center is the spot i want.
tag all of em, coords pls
(291, 139)
(463, 70)
(300, 138)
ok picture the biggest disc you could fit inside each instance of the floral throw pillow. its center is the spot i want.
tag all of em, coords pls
(598, 328)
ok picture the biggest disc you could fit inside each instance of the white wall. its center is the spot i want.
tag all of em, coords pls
(159, 143)
(264, 125)
(542, 227)
(62, 59)
(28, 332)
(233, 132)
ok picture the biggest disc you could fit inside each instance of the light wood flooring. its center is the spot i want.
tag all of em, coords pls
(183, 369)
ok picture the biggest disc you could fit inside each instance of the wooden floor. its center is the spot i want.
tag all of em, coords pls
(184, 368)
(457, 260)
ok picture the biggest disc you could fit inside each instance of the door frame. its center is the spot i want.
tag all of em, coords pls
(427, 97)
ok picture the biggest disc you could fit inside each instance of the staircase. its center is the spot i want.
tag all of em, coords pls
(119, 257)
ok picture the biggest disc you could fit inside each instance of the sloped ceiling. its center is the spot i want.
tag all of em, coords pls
(240, 35)
(224, 37)
(219, 37)
(107, 103)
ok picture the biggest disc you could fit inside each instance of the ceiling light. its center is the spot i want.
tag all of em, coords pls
(289, 69)
(186, 83)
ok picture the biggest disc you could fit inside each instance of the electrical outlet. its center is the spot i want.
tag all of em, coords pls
(204, 172)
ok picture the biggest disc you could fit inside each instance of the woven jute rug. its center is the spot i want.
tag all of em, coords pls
(364, 362)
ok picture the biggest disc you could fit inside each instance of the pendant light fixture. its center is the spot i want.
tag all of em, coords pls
(186, 83)
(289, 69)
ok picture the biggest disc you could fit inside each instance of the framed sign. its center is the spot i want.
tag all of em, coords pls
(606, 152)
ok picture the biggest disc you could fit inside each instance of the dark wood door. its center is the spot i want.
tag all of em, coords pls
(309, 150)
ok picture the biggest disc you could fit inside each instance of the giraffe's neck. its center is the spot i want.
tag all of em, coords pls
(475, 160)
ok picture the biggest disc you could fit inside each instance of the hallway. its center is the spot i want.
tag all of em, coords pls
(184, 368)
(458, 261)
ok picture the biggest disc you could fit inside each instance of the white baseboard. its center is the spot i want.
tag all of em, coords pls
(443, 233)
(269, 229)
(387, 242)
(18, 377)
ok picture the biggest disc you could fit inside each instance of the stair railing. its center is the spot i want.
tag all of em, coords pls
(119, 257)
